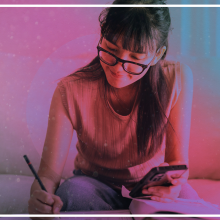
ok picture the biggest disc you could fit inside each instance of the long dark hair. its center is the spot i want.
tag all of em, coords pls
(141, 29)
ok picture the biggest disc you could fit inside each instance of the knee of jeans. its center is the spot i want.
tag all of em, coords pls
(67, 188)
(77, 188)
(81, 193)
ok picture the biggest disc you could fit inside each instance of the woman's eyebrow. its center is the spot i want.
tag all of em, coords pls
(142, 55)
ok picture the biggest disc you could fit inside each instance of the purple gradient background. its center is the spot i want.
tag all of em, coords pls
(40, 45)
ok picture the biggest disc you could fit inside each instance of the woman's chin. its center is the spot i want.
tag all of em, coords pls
(117, 85)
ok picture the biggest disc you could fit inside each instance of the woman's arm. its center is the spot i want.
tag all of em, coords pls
(57, 142)
(177, 143)
(177, 138)
(55, 151)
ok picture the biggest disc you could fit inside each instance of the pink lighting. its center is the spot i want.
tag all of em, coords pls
(38, 46)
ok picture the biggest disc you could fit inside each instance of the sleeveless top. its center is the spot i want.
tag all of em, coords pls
(107, 145)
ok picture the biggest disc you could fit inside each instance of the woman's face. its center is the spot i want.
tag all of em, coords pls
(116, 75)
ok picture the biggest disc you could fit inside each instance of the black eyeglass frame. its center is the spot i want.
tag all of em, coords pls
(122, 61)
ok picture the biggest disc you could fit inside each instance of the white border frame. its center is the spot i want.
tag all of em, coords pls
(108, 5)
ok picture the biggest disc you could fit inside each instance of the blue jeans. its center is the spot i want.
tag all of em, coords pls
(84, 193)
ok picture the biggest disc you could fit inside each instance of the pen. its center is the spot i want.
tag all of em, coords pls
(34, 172)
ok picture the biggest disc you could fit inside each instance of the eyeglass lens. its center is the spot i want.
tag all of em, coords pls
(128, 67)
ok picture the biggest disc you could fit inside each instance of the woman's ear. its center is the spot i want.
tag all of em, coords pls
(160, 52)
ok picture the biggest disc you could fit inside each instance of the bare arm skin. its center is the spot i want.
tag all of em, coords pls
(55, 151)
(177, 143)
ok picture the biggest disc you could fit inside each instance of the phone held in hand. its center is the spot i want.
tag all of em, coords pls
(158, 176)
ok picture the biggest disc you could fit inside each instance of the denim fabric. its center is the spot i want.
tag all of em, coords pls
(83, 193)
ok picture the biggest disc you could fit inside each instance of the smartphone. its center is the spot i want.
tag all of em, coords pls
(158, 176)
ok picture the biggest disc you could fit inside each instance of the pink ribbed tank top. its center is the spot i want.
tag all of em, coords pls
(107, 145)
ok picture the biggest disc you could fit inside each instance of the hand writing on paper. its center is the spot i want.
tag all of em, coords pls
(42, 202)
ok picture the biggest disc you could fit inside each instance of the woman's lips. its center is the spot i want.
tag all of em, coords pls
(115, 75)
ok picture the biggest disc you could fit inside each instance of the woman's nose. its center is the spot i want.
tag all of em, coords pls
(119, 66)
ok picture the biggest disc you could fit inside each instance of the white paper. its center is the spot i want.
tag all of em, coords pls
(187, 206)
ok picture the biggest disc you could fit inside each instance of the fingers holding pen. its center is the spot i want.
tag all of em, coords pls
(50, 203)
(40, 202)
(36, 207)
(57, 205)
(44, 197)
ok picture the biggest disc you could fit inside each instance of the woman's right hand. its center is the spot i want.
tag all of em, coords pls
(42, 202)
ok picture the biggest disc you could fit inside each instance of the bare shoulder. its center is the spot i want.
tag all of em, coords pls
(57, 107)
(186, 75)
(56, 96)
(186, 92)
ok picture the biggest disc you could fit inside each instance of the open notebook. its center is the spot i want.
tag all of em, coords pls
(180, 206)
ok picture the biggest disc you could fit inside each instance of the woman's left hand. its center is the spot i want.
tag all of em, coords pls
(166, 193)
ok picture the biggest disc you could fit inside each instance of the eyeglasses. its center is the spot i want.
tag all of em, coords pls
(128, 66)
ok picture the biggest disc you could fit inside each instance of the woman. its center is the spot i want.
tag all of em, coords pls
(131, 110)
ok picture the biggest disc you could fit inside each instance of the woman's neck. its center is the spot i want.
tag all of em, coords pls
(122, 99)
